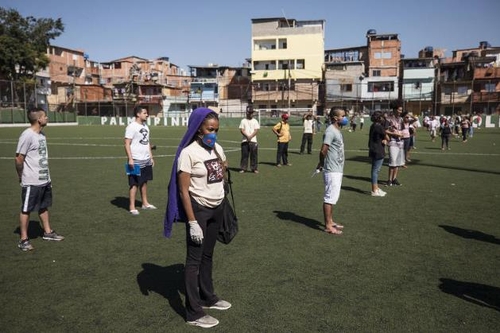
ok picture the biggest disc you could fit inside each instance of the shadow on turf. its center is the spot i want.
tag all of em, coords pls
(289, 216)
(122, 202)
(35, 230)
(471, 234)
(476, 293)
(165, 281)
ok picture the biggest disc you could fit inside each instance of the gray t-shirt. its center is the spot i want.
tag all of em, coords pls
(334, 160)
(33, 146)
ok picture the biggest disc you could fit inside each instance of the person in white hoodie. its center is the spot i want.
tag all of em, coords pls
(433, 127)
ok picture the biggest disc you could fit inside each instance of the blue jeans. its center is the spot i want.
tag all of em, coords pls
(282, 154)
(376, 166)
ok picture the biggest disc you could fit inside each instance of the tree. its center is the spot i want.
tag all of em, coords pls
(23, 44)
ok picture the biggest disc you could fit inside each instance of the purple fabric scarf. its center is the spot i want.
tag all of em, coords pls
(175, 211)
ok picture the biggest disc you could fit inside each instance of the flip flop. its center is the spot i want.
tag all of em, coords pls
(338, 226)
(333, 231)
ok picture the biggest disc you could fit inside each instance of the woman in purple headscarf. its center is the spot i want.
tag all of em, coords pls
(195, 194)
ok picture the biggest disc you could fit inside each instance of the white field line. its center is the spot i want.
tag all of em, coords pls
(174, 148)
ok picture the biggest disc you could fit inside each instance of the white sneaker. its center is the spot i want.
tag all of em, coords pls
(148, 207)
(205, 322)
(220, 305)
(378, 193)
(134, 212)
(382, 192)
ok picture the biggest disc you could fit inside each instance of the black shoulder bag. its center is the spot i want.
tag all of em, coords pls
(229, 227)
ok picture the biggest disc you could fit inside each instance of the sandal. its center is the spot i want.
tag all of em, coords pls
(338, 226)
(333, 231)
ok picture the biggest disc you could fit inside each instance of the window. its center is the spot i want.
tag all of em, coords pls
(376, 72)
(282, 43)
(380, 86)
(346, 87)
(383, 55)
(265, 44)
(490, 87)
(301, 64)
(462, 90)
(286, 64)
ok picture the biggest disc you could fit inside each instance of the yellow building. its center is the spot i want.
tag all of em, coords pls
(287, 60)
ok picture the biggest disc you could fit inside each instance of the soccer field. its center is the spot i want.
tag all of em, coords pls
(425, 258)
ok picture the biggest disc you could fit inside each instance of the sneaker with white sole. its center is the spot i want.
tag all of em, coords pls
(149, 207)
(219, 305)
(52, 236)
(378, 193)
(396, 183)
(25, 245)
(206, 322)
(134, 212)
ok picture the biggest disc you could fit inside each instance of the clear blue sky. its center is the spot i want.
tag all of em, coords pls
(199, 32)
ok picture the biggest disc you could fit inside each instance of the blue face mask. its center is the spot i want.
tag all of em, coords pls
(209, 139)
(344, 121)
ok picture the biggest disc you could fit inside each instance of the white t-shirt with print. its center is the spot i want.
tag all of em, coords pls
(33, 146)
(207, 173)
(139, 146)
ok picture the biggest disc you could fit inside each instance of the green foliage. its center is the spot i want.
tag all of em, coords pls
(24, 42)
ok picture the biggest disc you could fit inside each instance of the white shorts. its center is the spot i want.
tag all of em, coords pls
(333, 182)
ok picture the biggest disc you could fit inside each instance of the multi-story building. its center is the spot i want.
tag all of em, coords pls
(469, 81)
(384, 54)
(365, 77)
(157, 84)
(289, 69)
(204, 88)
(223, 88)
(74, 79)
(286, 61)
(344, 72)
(417, 84)
(486, 82)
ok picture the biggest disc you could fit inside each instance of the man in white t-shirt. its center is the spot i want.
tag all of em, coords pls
(32, 166)
(308, 132)
(139, 154)
(249, 147)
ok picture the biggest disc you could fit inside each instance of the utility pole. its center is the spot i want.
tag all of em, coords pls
(74, 81)
(289, 84)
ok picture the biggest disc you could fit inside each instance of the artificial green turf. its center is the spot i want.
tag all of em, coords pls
(425, 258)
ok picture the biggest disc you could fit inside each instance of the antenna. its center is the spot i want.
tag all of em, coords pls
(284, 15)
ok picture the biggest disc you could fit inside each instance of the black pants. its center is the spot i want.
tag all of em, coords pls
(445, 140)
(198, 271)
(306, 138)
(465, 131)
(249, 149)
(282, 154)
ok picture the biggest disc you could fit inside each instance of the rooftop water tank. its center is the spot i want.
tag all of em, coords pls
(484, 45)
(371, 32)
(429, 49)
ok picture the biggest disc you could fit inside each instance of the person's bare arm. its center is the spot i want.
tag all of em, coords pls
(19, 162)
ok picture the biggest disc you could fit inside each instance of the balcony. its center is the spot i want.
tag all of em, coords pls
(486, 97)
(487, 73)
